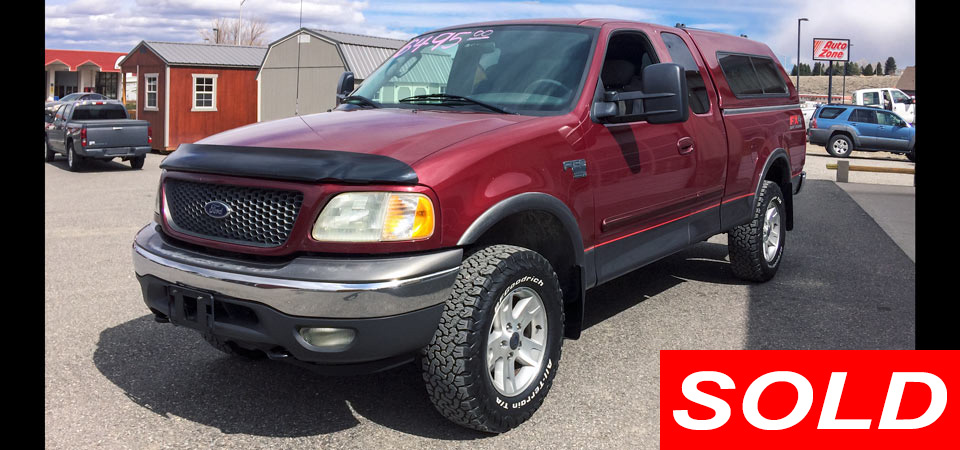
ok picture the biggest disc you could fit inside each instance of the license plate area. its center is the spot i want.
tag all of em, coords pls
(191, 308)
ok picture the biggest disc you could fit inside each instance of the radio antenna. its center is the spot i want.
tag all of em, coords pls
(299, 34)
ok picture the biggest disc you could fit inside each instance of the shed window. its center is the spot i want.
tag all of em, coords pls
(150, 80)
(204, 92)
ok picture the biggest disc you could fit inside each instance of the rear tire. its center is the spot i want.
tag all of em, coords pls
(470, 365)
(756, 248)
(74, 161)
(49, 153)
(912, 155)
(840, 146)
(137, 162)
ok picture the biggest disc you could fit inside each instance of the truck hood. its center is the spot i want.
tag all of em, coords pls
(405, 135)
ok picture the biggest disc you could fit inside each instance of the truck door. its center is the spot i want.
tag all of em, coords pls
(55, 134)
(903, 104)
(651, 178)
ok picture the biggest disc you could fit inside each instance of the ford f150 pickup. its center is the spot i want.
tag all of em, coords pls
(95, 130)
(456, 207)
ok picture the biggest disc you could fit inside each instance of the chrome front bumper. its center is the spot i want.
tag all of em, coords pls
(320, 287)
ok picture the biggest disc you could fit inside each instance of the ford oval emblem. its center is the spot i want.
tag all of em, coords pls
(217, 210)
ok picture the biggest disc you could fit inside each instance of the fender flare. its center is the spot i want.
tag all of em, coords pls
(527, 201)
(848, 130)
(583, 263)
(775, 155)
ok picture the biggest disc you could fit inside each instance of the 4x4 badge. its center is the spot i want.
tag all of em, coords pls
(578, 166)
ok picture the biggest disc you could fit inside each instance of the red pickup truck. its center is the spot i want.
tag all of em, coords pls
(456, 207)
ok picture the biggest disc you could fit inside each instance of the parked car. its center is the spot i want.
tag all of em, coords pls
(96, 130)
(891, 99)
(74, 97)
(846, 128)
(461, 227)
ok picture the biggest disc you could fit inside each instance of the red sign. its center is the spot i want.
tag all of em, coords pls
(808, 399)
(831, 49)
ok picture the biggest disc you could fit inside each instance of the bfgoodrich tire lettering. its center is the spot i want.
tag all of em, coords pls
(455, 365)
(750, 256)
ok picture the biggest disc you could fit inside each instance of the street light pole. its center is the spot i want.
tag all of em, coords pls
(798, 54)
(240, 22)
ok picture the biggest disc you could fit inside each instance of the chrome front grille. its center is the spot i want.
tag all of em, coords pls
(257, 217)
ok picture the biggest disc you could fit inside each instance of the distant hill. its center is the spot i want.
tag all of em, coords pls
(818, 85)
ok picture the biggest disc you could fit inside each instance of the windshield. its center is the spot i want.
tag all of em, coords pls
(529, 69)
(70, 97)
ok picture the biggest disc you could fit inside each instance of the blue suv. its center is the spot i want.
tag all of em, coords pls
(845, 128)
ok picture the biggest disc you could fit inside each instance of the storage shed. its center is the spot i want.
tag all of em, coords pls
(190, 91)
(908, 81)
(322, 56)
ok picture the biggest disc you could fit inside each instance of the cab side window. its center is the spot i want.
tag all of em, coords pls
(627, 54)
(680, 54)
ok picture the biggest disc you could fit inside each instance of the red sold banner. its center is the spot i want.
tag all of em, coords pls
(831, 49)
(809, 399)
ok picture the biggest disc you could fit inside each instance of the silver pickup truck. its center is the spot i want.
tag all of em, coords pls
(95, 130)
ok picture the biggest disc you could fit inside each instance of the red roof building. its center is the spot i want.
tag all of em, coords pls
(68, 71)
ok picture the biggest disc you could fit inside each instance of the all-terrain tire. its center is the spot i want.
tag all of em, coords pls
(840, 146)
(746, 243)
(231, 348)
(455, 366)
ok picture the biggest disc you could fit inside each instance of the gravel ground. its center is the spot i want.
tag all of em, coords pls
(116, 379)
(818, 158)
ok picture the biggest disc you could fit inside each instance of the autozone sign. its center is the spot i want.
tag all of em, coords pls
(831, 49)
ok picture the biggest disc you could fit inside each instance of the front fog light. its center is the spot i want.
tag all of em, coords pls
(327, 337)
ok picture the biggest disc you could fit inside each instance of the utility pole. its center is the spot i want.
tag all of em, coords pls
(803, 19)
(240, 22)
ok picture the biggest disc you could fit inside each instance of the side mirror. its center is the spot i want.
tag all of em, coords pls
(344, 86)
(664, 98)
(667, 82)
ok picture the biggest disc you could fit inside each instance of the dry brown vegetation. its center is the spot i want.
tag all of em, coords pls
(818, 85)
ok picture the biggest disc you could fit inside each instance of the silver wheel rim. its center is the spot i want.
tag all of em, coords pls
(70, 156)
(517, 341)
(771, 230)
(840, 146)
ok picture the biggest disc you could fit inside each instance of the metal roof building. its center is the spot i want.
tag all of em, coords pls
(189, 91)
(190, 54)
(301, 69)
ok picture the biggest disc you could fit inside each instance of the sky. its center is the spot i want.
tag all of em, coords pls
(876, 28)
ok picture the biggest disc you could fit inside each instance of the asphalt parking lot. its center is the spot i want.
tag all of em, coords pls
(116, 379)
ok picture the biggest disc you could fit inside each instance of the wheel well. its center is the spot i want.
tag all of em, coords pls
(779, 172)
(844, 133)
(545, 234)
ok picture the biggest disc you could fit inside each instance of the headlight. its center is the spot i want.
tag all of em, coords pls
(375, 216)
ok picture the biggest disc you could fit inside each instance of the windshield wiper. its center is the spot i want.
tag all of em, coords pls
(362, 100)
(458, 98)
